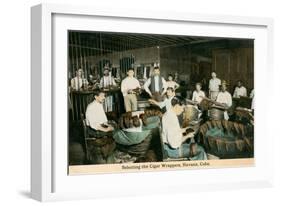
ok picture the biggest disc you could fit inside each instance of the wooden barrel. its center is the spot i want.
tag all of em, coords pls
(216, 113)
(191, 113)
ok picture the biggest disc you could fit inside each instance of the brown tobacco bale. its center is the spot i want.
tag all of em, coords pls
(185, 123)
(136, 121)
(143, 117)
(240, 144)
(209, 124)
(151, 156)
(121, 123)
(242, 129)
(236, 128)
(203, 129)
(219, 124)
(157, 97)
(225, 125)
(153, 112)
(126, 122)
(189, 130)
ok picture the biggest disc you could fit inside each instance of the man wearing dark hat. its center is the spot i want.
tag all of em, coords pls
(156, 85)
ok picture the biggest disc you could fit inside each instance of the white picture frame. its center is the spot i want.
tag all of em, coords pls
(49, 178)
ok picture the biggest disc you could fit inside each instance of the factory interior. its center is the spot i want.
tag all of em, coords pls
(99, 64)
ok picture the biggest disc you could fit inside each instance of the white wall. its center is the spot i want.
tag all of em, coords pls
(15, 101)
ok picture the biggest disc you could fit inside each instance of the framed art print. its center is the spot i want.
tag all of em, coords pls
(139, 102)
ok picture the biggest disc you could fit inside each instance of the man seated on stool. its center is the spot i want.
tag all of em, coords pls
(96, 119)
(174, 137)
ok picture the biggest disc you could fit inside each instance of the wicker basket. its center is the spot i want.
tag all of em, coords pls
(137, 149)
(232, 139)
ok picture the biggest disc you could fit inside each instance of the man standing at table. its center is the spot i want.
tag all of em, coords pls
(224, 97)
(78, 81)
(214, 86)
(106, 82)
(156, 85)
(128, 85)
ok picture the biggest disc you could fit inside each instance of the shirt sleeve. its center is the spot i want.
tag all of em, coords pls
(146, 85)
(164, 85)
(90, 117)
(101, 82)
(193, 96)
(235, 92)
(245, 92)
(113, 81)
(123, 87)
(162, 104)
(229, 101)
(252, 94)
(177, 85)
(172, 132)
(174, 137)
(72, 83)
(138, 83)
(203, 94)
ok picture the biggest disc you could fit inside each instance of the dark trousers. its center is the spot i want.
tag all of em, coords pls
(97, 134)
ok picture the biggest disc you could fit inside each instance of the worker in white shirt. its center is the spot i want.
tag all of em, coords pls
(240, 90)
(128, 85)
(96, 119)
(78, 81)
(198, 94)
(172, 83)
(224, 97)
(214, 86)
(106, 82)
(170, 94)
(156, 85)
(173, 136)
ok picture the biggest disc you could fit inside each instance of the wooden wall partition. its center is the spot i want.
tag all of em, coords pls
(234, 64)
